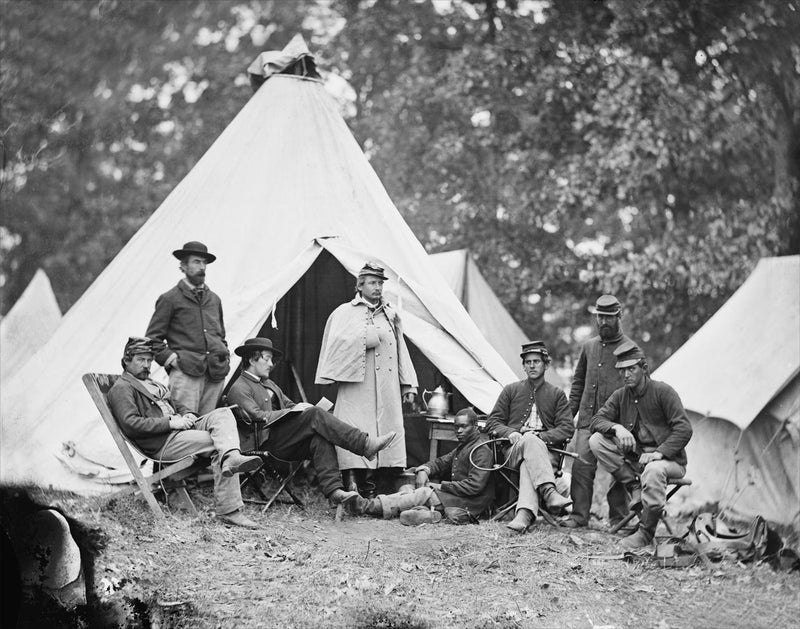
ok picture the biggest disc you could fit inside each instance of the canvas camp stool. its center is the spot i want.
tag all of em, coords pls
(98, 386)
(272, 467)
(511, 480)
(675, 485)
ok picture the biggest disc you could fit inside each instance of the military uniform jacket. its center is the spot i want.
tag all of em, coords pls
(260, 401)
(139, 415)
(655, 415)
(514, 404)
(193, 329)
(470, 488)
(595, 378)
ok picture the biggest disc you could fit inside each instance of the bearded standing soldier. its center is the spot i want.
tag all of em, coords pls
(594, 381)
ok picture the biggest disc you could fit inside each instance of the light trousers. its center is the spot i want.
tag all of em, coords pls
(213, 434)
(197, 395)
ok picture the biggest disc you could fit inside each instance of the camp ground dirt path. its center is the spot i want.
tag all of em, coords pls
(307, 570)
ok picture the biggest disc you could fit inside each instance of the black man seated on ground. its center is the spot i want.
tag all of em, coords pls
(144, 411)
(462, 499)
(640, 436)
(299, 431)
(533, 415)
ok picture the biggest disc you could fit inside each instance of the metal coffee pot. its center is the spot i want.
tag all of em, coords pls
(436, 404)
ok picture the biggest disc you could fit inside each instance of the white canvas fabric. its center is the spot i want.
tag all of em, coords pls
(739, 379)
(487, 311)
(28, 324)
(285, 180)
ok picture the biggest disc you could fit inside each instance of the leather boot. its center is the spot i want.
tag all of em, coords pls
(349, 480)
(635, 491)
(367, 486)
(374, 508)
(351, 500)
(376, 444)
(419, 515)
(235, 463)
(555, 502)
(645, 532)
(523, 518)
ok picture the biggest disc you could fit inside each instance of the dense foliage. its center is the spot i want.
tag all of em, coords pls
(648, 148)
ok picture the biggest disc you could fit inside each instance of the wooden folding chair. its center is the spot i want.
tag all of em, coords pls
(271, 466)
(98, 385)
(676, 484)
(511, 478)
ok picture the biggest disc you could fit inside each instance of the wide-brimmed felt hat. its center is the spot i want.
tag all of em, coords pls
(370, 268)
(194, 248)
(628, 354)
(534, 347)
(606, 305)
(258, 344)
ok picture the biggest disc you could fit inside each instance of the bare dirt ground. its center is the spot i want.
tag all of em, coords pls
(304, 569)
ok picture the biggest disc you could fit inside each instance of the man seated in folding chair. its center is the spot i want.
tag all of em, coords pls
(296, 431)
(463, 498)
(146, 416)
(639, 436)
(533, 415)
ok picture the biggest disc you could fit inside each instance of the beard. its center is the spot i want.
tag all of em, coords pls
(608, 331)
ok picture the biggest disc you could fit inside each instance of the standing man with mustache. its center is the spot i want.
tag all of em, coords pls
(594, 381)
(189, 318)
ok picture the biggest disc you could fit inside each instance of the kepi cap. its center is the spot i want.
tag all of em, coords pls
(534, 347)
(628, 354)
(194, 248)
(141, 345)
(257, 344)
(606, 305)
(370, 268)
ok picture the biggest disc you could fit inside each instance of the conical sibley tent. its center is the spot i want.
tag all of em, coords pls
(484, 307)
(739, 379)
(292, 208)
(28, 324)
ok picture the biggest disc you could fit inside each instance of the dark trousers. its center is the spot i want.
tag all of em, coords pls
(582, 486)
(312, 434)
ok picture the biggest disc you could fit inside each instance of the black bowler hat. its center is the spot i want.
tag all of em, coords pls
(194, 248)
(606, 305)
(628, 354)
(370, 268)
(534, 347)
(258, 344)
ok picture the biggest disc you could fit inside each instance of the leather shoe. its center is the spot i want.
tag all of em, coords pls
(376, 444)
(556, 503)
(420, 515)
(237, 518)
(639, 539)
(522, 520)
(350, 500)
(236, 463)
(571, 523)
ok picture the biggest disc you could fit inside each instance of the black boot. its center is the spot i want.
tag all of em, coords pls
(349, 480)
(367, 486)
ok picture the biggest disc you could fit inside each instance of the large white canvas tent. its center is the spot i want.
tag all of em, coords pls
(28, 324)
(292, 208)
(739, 379)
(487, 311)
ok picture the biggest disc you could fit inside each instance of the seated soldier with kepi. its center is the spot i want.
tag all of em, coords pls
(144, 412)
(639, 436)
(462, 499)
(533, 414)
(296, 431)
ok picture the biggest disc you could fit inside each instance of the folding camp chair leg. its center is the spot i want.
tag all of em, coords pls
(623, 522)
(284, 486)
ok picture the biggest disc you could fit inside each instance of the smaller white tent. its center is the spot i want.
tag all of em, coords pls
(28, 325)
(484, 307)
(739, 379)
